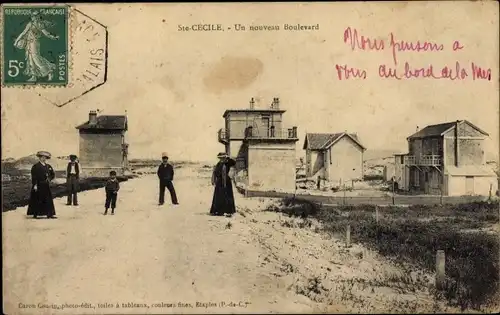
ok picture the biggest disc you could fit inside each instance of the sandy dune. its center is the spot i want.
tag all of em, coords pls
(149, 259)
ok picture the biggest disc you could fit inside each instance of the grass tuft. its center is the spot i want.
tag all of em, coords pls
(414, 234)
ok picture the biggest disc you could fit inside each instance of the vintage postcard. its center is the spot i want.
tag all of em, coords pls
(243, 158)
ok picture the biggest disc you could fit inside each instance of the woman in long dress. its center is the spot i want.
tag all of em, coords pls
(223, 199)
(29, 40)
(41, 201)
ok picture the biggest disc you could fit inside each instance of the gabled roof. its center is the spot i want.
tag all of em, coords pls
(106, 122)
(323, 141)
(440, 129)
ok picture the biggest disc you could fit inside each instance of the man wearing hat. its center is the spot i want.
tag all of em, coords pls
(41, 202)
(166, 176)
(72, 177)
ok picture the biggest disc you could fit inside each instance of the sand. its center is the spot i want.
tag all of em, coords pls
(177, 259)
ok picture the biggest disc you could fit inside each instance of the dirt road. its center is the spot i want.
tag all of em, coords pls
(177, 259)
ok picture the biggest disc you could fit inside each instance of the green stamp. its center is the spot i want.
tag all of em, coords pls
(35, 45)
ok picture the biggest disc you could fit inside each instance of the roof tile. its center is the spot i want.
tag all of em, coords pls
(107, 122)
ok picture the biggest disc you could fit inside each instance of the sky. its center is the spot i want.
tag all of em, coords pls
(176, 85)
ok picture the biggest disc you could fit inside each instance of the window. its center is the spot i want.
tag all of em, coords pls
(440, 147)
(426, 177)
(402, 159)
(417, 178)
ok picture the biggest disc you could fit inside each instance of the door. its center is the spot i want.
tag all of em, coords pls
(266, 126)
(469, 185)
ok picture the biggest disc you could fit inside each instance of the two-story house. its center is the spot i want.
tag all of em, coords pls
(446, 159)
(261, 145)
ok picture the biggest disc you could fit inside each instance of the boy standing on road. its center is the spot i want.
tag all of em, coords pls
(166, 176)
(112, 187)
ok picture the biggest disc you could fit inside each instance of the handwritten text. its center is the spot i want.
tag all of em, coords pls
(397, 47)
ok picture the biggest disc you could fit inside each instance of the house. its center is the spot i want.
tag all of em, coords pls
(262, 147)
(336, 157)
(102, 145)
(401, 172)
(447, 159)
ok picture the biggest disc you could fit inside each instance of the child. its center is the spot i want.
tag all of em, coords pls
(112, 187)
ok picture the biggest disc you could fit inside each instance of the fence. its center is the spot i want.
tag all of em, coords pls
(385, 200)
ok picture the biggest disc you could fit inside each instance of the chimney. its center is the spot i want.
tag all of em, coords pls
(92, 117)
(457, 149)
(418, 128)
(276, 103)
(252, 103)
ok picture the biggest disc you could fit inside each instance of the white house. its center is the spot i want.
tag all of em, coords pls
(337, 157)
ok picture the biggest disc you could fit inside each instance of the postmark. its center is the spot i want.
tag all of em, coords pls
(88, 63)
(35, 45)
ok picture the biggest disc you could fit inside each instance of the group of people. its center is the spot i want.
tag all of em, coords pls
(41, 200)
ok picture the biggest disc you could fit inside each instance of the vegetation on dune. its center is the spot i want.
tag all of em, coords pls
(17, 193)
(414, 234)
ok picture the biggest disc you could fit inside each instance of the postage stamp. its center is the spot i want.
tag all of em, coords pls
(35, 45)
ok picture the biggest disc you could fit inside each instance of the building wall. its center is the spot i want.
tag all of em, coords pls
(415, 147)
(426, 146)
(432, 180)
(426, 180)
(457, 185)
(471, 151)
(101, 150)
(432, 146)
(271, 166)
(389, 171)
(241, 157)
(345, 161)
(316, 163)
(308, 163)
(402, 174)
(235, 147)
(236, 123)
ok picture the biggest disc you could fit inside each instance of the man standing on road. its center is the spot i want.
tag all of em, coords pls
(72, 177)
(166, 176)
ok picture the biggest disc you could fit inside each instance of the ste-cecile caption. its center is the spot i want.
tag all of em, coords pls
(243, 28)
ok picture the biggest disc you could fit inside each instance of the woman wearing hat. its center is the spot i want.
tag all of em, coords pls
(223, 200)
(41, 202)
(72, 177)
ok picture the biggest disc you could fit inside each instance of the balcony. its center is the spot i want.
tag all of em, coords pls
(223, 136)
(430, 160)
(271, 133)
(423, 160)
(410, 160)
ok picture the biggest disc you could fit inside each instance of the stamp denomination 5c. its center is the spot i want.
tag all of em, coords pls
(35, 45)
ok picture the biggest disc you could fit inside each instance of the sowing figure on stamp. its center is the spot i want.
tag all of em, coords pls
(29, 40)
